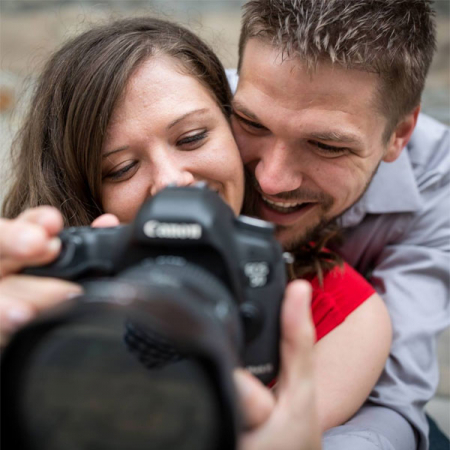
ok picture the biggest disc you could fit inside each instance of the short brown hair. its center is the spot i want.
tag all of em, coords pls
(393, 38)
(57, 155)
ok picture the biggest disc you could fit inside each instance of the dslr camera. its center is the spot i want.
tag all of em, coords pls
(143, 359)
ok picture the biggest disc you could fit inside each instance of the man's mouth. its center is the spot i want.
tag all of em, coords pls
(284, 213)
(285, 207)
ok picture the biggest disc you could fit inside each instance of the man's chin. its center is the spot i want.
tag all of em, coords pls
(292, 239)
(289, 238)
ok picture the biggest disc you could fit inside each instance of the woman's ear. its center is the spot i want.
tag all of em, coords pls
(401, 135)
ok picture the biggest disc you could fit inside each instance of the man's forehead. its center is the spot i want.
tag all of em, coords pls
(262, 61)
(265, 82)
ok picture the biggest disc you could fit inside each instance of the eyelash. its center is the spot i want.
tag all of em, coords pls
(328, 148)
(119, 173)
(189, 140)
(249, 123)
(193, 139)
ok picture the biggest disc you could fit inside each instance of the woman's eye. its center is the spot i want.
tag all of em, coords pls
(121, 173)
(192, 141)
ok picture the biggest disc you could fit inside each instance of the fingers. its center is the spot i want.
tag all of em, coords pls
(23, 297)
(256, 400)
(105, 221)
(30, 239)
(296, 398)
(292, 423)
(47, 217)
(298, 333)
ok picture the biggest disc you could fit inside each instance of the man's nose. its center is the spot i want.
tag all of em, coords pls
(278, 169)
(168, 169)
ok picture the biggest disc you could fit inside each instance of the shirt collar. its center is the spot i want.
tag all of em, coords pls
(393, 189)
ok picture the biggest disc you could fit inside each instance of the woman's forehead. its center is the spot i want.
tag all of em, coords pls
(161, 83)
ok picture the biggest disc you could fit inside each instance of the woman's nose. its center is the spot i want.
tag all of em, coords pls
(167, 170)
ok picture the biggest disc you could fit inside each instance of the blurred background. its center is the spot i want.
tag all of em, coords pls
(32, 29)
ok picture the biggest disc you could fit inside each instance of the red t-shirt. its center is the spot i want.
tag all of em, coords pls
(343, 290)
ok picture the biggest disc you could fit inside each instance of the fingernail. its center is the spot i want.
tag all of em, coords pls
(306, 288)
(244, 386)
(54, 245)
(73, 294)
(19, 316)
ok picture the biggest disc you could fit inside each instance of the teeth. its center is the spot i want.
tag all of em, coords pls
(281, 204)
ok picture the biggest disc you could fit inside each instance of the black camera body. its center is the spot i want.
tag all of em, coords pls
(190, 234)
(144, 357)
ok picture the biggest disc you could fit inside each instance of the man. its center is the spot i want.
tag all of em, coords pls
(327, 101)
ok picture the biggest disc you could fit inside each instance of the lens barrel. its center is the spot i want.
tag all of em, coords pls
(83, 376)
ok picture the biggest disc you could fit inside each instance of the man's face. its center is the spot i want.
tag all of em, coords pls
(310, 141)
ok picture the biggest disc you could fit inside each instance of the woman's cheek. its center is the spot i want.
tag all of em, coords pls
(123, 200)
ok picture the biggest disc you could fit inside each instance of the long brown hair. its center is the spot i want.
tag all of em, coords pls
(57, 155)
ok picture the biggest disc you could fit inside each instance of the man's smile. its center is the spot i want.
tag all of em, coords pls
(283, 212)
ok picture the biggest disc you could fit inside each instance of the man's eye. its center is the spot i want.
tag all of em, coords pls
(328, 148)
(249, 123)
(192, 141)
(121, 173)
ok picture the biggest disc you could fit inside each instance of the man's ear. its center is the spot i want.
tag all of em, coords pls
(401, 135)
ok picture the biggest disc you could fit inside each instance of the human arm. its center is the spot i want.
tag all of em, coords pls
(349, 361)
(353, 339)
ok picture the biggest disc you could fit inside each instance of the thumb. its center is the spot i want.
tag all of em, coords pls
(256, 400)
(297, 335)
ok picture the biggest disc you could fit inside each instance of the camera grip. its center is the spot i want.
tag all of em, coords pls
(85, 252)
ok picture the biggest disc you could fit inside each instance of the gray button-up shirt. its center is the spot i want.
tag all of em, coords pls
(398, 236)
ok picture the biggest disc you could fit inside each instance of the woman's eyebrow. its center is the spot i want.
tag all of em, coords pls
(185, 116)
(171, 125)
(120, 149)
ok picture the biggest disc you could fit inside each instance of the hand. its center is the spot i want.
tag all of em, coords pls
(285, 419)
(29, 240)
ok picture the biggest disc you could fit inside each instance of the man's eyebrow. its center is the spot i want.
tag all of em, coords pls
(185, 116)
(336, 136)
(117, 150)
(242, 109)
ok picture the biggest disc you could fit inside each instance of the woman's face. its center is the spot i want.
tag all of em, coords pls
(167, 128)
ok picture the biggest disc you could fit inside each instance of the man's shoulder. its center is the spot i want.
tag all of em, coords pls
(429, 146)
(423, 164)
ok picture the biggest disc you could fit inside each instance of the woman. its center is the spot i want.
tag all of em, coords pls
(122, 111)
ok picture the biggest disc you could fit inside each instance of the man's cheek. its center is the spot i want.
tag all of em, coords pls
(245, 148)
(245, 144)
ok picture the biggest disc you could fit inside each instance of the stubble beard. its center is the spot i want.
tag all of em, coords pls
(251, 208)
(297, 240)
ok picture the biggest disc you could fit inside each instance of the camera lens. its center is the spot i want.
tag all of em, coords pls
(72, 380)
(85, 389)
